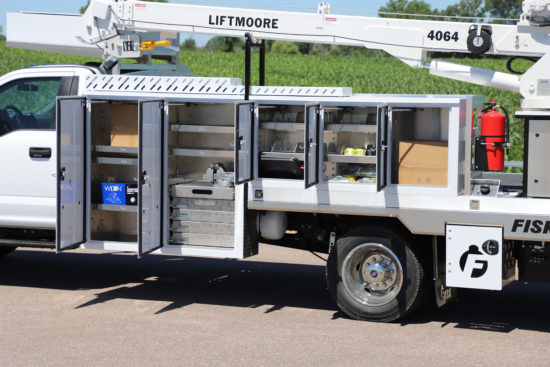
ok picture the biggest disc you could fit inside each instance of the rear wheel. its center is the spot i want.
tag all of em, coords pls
(374, 274)
(6, 250)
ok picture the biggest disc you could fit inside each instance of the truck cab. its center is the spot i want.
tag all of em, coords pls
(28, 138)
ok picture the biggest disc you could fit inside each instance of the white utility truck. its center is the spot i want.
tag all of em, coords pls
(399, 190)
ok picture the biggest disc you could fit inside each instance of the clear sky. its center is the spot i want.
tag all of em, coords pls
(72, 6)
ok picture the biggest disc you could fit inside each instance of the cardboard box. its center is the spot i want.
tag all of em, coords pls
(423, 163)
(124, 125)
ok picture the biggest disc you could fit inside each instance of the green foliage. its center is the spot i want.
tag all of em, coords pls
(189, 44)
(84, 7)
(15, 58)
(287, 48)
(503, 8)
(2, 37)
(319, 49)
(268, 45)
(304, 47)
(343, 50)
(465, 8)
(224, 44)
(406, 7)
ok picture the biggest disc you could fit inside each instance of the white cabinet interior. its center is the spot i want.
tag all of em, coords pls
(349, 144)
(201, 174)
(114, 153)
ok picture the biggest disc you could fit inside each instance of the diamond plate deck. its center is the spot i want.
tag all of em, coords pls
(134, 84)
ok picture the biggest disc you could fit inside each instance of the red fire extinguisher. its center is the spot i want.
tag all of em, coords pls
(495, 133)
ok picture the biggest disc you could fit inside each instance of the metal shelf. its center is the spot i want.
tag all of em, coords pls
(351, 128)
(181, 128)
(200, 239)
(297, 126)
(112, 150)
(283, 126)
(216, 153)
(115, 160)
(360, 159)
(116, 208)
(334, 158)
(283, 155)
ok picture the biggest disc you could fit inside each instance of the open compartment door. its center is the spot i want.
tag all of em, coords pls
(312, 145)
(244, 142)
(382, 141)
(71, 172)
(150, 218)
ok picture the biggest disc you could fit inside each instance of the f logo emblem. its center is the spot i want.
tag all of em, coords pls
(477, 263)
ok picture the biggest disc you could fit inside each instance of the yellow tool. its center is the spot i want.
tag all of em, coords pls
(150, 45)
(348, 151)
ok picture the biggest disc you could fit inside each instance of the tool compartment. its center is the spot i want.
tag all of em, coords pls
(200, 178)
(114, 161)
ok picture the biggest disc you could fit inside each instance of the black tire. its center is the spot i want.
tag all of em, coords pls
(353, 291)
(479, 45)
(6, 250)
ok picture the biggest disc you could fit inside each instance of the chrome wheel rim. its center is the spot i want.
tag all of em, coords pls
(372, 274)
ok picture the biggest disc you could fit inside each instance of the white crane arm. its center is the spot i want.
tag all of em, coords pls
(114, 25)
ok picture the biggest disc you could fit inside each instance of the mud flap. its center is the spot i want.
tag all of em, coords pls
(443, 294)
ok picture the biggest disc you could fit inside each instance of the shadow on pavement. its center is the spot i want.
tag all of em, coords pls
(182, 281)
(178, 280)
(517, 306)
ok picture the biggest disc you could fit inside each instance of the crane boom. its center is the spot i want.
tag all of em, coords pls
(111, 25)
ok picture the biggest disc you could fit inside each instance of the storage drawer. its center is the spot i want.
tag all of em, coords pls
(203, 216)
(200, 191)
(204, 204)
(205, 240)
(183, 226)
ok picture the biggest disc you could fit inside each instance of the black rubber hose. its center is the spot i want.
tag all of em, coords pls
(514, 58)
(507, 122)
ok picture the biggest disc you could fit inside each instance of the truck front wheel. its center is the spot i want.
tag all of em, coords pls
(373, 274)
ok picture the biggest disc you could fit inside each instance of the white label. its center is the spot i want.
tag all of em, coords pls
(543, 87)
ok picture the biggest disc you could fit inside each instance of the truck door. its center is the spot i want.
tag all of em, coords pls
(312, 145)
(28, 149)
(71, 172)
(382, 142)
(244, 142)
(150, 218)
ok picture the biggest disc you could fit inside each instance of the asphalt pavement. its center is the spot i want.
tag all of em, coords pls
(88, 309)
